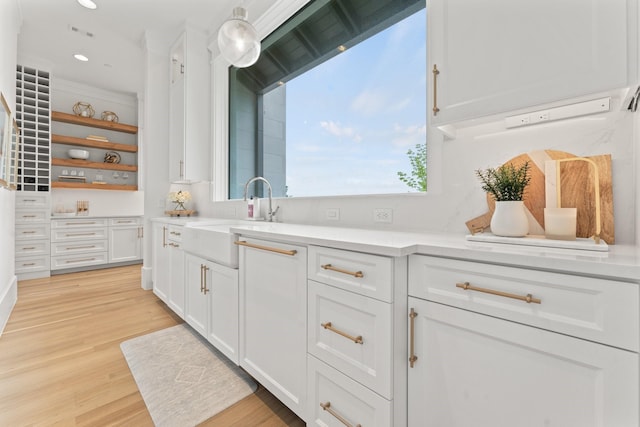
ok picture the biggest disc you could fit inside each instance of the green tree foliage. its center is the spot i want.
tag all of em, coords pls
(417, 179)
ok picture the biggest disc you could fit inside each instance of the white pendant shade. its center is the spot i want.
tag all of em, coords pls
(238, 40)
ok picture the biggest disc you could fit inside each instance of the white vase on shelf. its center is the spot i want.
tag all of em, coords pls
(509, 219)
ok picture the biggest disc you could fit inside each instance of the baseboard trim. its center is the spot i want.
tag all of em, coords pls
(7, 302)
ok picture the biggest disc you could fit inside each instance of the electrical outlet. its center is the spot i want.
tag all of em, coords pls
(383, 215)
(332, 214)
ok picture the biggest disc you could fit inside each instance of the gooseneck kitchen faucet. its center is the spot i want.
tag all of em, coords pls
(271, 213)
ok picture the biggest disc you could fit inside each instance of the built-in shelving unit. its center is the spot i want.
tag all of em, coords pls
(33, 109)
(78, 182)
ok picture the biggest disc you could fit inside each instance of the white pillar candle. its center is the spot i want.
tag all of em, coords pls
(560, 223)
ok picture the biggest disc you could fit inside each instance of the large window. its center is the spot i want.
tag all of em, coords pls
(337, 103)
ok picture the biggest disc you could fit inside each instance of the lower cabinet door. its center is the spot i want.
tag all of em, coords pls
(198, 285)
(476, 370)
(273, 319)
(337, 400)
(223, 313)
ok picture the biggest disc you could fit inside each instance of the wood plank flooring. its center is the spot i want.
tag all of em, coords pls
(60, 358)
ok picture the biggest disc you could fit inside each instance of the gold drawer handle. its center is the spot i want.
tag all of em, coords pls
(175, 233)
(28, 264)
(29, 248)
(412, 352)
(80, 260)
(70, 248)
(527, 298)
(357, 340)
(291, 252)
(80, 223)
(28, 232)
(327, 407)
(79, 234)
(357, 274)
(174, 245)
(28, 216)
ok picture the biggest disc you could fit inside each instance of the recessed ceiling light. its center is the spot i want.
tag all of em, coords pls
(342, 48)
(80, 57)
(88, 4)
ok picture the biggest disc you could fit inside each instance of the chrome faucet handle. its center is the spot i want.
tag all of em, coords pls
(273, 213)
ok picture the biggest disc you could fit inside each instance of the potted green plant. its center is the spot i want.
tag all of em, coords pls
(507, 185)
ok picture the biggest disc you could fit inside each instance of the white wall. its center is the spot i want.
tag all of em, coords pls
(9, 27)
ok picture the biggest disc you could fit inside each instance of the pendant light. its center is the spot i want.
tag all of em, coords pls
(238, 40)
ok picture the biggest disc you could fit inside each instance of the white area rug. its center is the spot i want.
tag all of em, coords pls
(182, 378)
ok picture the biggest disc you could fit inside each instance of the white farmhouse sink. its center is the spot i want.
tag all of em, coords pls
(212, 241)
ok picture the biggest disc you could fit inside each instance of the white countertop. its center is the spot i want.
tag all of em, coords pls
(621, 262)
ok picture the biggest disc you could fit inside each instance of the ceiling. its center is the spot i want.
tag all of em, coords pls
(115, 44)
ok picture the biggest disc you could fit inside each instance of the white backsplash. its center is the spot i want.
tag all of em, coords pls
(454, 194)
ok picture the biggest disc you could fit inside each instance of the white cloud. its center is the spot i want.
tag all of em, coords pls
(369, 102)
(406, 136)
(335, 128)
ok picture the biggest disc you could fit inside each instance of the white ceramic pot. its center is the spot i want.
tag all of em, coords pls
(509, 219)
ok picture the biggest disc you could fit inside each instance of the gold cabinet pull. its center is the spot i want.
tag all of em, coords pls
(291, 252)
(175, 233)
(412, 330)
(28, 216)
(28, 264)
(174, 245)
(327, 407)
(29, 248)
(435, 89)
(79, 234)
(70, 248)
(164, 236)
(526, 298)
(204, 282)
(80, 260)
(357, 340)
(357, 274)
(80, 223)
(201, 276)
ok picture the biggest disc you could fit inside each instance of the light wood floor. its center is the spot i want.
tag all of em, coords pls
(60, 358)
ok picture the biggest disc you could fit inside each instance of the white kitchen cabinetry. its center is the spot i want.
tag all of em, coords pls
(223, 310)
(78, 242)
(32, 234)
(168, 266)
(189, 118)
(273, 318)
(211, 306)
(547, 350)
(356, 330)
(125, 239)
(500, 56)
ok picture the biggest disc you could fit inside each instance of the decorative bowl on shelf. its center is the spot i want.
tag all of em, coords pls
(75, 153)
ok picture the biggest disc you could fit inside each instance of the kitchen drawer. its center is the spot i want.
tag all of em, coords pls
(174, 233)
(78, 260)
(79, 222)
(32, 263)
(29, 216)
(32, 200)
(356, 336)
(598, 310)
(85, 246)
(32, 248)
(116, 222)
(365, 274)
(347, 402)
(36, 231)
(76, 234)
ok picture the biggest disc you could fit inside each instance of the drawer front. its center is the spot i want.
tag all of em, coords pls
(87, 246)
(174, 233)
(352, 333)
(32, 248)
(599, 310)
(78, 260)
(365, 274)
(115, 222)
(336, 400)
(35, 231)
(78, 234)
(79, 223)
(34, 263)
(29, 216)
(32, 200)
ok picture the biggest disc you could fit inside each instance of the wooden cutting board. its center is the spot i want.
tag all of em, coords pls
(577, 190)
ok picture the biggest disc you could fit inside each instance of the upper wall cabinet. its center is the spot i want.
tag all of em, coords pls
(189, 154)
(489, 57)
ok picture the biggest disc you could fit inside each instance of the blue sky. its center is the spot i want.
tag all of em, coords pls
(351, 120)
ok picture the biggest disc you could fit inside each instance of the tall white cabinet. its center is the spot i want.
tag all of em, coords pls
(500, 56)
(188, 108)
